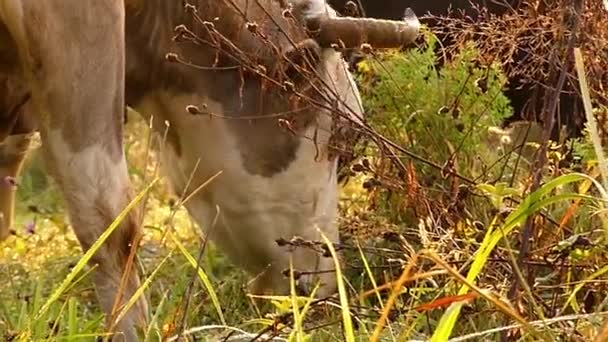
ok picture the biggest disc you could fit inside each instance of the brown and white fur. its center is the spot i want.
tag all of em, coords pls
(274, 183)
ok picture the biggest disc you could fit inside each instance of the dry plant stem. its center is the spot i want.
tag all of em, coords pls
(186, 302)
(182, 200)
(284, 319)
(138, 234)
(125, 276)
(521, 278)
(132, 255)
(244, 335)
(501, 305)
(392, 284)
(603, 335)
(155, 172)
(550, 110)
(591, 122)
(393, 298)
(545, 322)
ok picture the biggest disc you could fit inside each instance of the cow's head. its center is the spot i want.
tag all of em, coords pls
(283, 57)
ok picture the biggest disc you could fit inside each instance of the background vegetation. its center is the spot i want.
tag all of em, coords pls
(431, 229)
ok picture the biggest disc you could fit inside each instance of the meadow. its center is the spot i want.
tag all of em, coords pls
(445, 235)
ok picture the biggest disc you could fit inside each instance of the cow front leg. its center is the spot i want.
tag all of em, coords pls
(96, 187)
(73, 58)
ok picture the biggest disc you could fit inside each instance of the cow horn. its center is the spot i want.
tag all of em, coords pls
(348, 32)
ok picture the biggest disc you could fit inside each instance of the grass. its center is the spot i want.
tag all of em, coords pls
(407, 274)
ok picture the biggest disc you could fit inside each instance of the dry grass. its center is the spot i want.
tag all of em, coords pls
(430, 247)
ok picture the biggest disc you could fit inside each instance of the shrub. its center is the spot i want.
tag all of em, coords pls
(441, 114)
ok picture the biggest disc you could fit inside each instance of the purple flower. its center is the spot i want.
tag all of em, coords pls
(30, 227)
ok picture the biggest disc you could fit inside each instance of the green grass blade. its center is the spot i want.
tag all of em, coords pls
(38, 327)
(144, 286)
(578, 287)
(23, 319)
(72, 317)
(591, 120)
(346, 318)
(202, 275)
(153, 326)
(299, 316)
(297, 323)
(531, 204)
(89, 254)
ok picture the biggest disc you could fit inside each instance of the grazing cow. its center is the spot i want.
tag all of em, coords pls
(266, 97)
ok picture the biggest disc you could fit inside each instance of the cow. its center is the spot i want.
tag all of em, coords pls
(255, 113)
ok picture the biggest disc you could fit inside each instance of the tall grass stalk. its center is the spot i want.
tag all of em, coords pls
(85, 259)
(533, 203)
(349, 331)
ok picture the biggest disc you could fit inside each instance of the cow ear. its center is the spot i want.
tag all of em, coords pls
(301, 60)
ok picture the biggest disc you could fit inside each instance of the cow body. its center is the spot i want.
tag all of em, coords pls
(64, 64)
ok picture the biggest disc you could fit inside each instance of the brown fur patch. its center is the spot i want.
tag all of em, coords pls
(254, 107)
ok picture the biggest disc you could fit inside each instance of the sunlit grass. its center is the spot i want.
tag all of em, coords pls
(401, 279)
